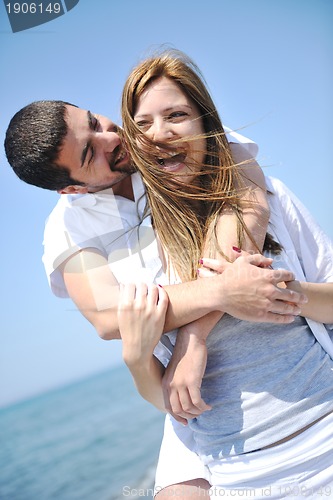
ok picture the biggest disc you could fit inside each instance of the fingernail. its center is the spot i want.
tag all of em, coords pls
(159, 285)
(201, 261)
(236, 249)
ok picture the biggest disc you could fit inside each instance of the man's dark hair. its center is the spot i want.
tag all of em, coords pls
(33, 142)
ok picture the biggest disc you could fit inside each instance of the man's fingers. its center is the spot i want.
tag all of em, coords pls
(204, 272)
(289, 297)
(285, 306)
(216, 265)
(258, 260)
(219, 265)
(283, 275)
(283, 319)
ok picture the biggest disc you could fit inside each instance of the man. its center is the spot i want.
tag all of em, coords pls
(100, 234)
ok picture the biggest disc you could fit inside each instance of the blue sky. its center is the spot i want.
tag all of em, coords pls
(268, 65)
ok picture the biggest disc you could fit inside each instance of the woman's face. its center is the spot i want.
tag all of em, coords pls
(164, 113)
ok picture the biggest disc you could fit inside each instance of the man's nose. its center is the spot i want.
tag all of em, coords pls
(108, 141)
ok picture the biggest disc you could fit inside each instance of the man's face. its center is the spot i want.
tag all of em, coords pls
(93, 152)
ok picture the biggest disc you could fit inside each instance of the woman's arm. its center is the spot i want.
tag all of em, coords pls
(256, 212)
(141, 316)
(183, 376)
(320, 300)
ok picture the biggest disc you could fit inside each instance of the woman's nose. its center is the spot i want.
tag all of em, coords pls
(160, 131)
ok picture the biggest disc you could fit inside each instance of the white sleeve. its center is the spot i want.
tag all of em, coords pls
(248, 144)
(57, 248)
(308, 248)
(163, 350)
(313, 247)
(65, 234)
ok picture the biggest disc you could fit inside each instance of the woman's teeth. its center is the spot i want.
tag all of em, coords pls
(171, 161)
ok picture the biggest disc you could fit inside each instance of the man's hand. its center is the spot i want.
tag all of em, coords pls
(250, 290)
(182, 379)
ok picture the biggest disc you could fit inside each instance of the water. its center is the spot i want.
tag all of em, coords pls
(93, 440)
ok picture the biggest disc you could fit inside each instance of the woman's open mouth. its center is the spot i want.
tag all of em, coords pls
(172, 163)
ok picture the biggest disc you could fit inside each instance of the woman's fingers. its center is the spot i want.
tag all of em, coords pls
(139, 293)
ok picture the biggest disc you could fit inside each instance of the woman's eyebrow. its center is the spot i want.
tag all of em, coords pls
(165, 110)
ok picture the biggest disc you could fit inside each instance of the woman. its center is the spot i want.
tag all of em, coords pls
(270, 388)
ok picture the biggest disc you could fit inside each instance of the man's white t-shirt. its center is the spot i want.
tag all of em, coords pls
(114, 226)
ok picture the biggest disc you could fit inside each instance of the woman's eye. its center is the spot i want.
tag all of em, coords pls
(142, 124)
(177, 114)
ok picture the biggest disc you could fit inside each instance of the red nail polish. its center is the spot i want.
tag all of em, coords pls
(201, 261)
(236, 249)
(159, 285)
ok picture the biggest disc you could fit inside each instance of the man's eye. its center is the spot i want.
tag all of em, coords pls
(95, 123)
(91, 154)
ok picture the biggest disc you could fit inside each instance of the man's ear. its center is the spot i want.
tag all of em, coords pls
(73, 190)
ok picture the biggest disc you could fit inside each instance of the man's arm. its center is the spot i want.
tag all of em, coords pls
(95, 291)
(93, 288)
(243, 290)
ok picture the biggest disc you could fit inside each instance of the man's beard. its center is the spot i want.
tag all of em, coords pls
(125, 169)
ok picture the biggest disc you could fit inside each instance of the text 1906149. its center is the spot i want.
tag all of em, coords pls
(33, 8)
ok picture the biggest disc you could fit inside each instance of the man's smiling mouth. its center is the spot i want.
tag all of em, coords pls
(119, 155)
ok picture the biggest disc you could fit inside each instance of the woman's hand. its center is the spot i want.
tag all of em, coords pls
(183, 376)
(141, 316)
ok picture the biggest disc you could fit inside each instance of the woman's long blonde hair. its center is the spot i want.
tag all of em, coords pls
(184, 215)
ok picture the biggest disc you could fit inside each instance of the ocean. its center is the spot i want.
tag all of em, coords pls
(96, 439)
